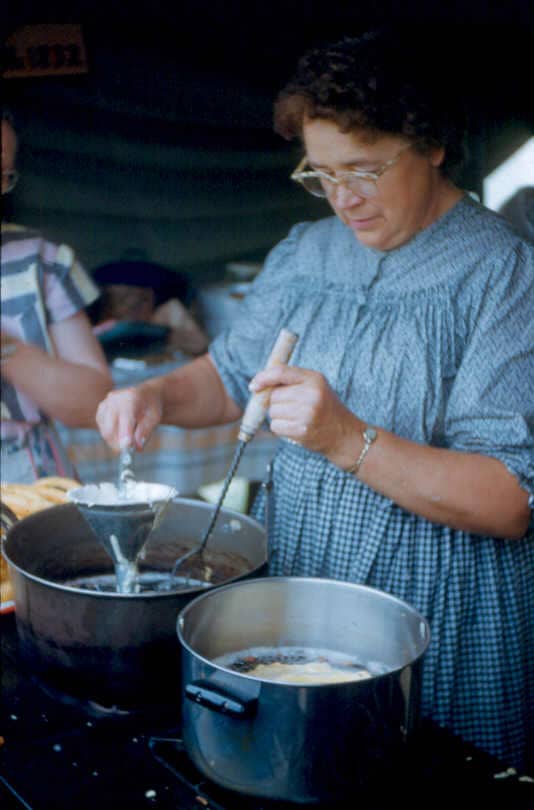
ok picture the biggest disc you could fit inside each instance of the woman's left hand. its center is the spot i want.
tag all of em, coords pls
(304, 408)
(466, 491)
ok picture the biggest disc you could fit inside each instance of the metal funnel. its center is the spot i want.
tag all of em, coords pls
(122, 520)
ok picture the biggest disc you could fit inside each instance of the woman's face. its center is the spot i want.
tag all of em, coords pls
(411, 194)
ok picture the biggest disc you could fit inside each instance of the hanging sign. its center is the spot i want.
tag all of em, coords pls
(44, 50)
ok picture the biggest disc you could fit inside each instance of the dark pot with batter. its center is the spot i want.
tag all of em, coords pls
(114, 648)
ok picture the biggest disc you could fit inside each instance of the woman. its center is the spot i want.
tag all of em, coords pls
(52, 365)
(408, 409)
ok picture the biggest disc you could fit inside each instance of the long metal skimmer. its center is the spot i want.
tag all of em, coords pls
(253, 418)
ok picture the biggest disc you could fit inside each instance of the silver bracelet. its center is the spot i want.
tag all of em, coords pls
(369, 436)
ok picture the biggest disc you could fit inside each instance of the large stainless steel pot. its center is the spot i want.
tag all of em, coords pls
(301, 743)
(108, 647)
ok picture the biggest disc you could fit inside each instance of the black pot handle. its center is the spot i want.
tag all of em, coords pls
(7, 518)
(219, 701)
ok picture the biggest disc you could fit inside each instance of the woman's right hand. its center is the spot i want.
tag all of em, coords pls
(128, 416)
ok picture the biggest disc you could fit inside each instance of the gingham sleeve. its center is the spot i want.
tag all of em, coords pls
(242, 350)
(491, 406)
(67, 286)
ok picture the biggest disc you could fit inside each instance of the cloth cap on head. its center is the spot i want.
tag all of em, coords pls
(164, 282)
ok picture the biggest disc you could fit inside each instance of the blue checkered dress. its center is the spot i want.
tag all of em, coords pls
(435, 342)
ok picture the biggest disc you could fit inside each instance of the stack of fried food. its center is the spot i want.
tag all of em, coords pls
(21, 500)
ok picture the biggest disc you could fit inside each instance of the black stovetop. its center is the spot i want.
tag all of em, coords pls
(62, 754)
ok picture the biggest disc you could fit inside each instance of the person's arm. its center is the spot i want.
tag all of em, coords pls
(68, 385)
(191, 396)
(467, 491)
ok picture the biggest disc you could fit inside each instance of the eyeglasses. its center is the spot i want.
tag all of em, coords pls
(321, 184)
(9, 180)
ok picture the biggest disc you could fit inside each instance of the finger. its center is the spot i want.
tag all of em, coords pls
(146, 424)
(106, 423)
(143, 431)
(115, 421)
(125, 432)
(277, 375)
(286, 396)
(140, 437)
(288, 429)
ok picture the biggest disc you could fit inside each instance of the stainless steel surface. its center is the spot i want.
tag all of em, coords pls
(123, 528)
(301, 743)
(111, 647)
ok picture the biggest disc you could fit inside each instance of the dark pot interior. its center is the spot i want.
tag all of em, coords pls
(108, 647)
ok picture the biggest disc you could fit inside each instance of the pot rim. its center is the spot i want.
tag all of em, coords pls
(182, 616)
(230, 513)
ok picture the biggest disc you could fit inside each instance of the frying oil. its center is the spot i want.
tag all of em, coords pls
(147, 582)
(298, 665)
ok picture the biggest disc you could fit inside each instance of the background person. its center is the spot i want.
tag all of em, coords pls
(137, 291)
(52, 365)
(408, 410)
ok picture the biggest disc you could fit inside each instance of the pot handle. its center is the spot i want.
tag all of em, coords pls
(219, 701)
(7, 518)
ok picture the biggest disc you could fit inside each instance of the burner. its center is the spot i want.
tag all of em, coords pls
(170, 752)
(147, 718)
(61, 752)
(91, 708)
(108, 711)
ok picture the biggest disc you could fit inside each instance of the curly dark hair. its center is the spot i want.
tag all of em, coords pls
(382, 82)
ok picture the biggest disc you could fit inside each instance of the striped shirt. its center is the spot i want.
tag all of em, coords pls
(42, 283)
